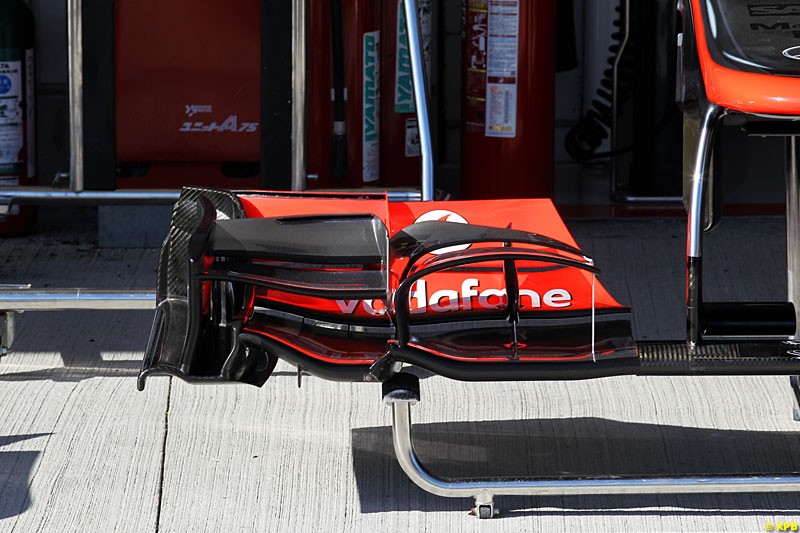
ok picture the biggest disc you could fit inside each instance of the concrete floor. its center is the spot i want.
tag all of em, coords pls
(82, 450)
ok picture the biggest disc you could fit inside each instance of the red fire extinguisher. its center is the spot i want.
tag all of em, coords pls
(344, 80)
(400, 146)
(508, 98)
(17, 140)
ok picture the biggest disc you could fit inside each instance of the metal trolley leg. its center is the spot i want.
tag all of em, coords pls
(696, 220)
(483, 490)
(793, 247)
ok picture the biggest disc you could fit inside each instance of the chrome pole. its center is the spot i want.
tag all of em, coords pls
(485, 489)
(75, 60)
(696, 220)
(49, 196)
(420, 96)
(299, 93)
(793, 223)
(700, 171)
(76, 299)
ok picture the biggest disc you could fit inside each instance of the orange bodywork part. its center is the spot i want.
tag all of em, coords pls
(748, 92)
(462, 291)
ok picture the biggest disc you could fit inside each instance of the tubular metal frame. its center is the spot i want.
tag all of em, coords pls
(711, 115)
(420, 96)
(75, 72)
(484, 490)
(21, 299)
(793, 223)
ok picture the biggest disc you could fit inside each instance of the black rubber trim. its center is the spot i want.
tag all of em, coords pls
(315, 367)
(422, 238)
(748, 319)
(515, 370)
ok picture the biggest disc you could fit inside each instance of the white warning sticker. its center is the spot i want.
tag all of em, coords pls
(412, 138)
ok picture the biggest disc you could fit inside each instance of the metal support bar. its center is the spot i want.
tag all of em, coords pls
(6, 332)
(483, 490)
(76, 299)
(75, 52)
(711, 115)
(49, 196)
(299, 93)
(793, 223)
(420, 96)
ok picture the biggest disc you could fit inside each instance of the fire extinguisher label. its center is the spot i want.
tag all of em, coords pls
(501, 68)
(11, 118)
(371, 106)
(492, 33)
(404, 90)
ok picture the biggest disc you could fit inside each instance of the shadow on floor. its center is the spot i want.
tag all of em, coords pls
(15, 473)
(580, 447)
(81, 338)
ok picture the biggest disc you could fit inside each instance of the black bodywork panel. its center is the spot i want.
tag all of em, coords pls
(754, 35)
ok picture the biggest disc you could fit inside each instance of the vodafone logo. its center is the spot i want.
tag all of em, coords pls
(443, 215)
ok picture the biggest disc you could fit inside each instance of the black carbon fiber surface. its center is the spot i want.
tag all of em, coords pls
(173, 263)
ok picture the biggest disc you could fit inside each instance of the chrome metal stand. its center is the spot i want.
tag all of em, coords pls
(26, 299)
(420, 88)
(793, 222)
(700, 183)
(484, 490)
(793, 248)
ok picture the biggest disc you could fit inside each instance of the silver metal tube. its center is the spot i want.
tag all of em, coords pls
(75, 60)
(49, 196)
(76, 299)
(404, 449)
(420, 96)
(649, 199)
(403, 196)
(700, 170)
(793, 223)
(299, 93)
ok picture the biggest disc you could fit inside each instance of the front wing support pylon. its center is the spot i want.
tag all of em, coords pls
(483, 490)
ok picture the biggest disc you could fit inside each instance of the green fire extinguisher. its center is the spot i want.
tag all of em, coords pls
(17, 114)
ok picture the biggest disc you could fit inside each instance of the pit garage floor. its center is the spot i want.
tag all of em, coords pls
(82, 450)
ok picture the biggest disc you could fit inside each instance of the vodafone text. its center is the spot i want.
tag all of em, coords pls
(469, 298)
